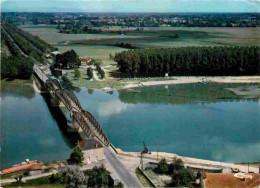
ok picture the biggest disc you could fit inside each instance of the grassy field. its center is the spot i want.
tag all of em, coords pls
(103, 44)
(156, 37)
(94, 51)
(84, 81)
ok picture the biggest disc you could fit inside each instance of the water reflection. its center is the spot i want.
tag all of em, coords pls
(181, 94)
(113, 107)
(70, 138)
(23, 90)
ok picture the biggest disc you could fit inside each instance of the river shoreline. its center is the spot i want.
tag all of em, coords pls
(202, 80)
(157, 156)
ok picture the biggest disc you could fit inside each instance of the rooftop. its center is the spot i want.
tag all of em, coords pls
(19, 167)
(87, 144)
(238, 180)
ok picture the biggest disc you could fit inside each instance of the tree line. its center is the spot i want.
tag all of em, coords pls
(212, 61)
(24, 44)
(16, 67)
(9, 42)
(35, 40)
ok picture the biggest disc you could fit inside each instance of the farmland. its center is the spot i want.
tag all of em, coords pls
(102, 44)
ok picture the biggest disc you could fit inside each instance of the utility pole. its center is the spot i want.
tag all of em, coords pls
(141, 161)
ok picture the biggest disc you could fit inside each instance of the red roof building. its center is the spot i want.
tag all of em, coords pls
(238, 180)
(19, 167)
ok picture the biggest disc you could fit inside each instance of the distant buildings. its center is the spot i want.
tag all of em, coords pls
(86, 61)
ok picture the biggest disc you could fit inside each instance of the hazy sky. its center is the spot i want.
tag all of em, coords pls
(131, 5)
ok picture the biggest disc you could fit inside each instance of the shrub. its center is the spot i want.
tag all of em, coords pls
(72, 176)
(162, 167)
(177, 164)
(76, 156)
(183, 177)
(90, 72)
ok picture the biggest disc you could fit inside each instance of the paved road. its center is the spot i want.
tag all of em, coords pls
(128, 179)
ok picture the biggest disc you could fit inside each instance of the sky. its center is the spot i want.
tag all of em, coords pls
(130, 5)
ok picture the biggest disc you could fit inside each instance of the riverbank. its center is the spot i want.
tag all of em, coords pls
(17, 81)
(132, 159)
(195, 79)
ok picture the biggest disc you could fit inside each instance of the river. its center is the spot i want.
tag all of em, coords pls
(196, 120)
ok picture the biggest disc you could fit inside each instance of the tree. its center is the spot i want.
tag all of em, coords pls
(90, 72)
(77, 74)
(177, 164)
(76, 156)
(16, 67)
(98, 177)
(19, 179)
(69, 59)
(100, 70)
(72, 176)
(162, 167)
(111, 56)
(183, 177)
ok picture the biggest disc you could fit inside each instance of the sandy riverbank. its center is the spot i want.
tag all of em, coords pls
(190, 79)
(188, 160)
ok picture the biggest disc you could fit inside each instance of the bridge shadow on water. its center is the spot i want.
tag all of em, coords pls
(70, 138)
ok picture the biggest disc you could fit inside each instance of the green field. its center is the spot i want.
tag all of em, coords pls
(103, 44)
(94, 51)
(155, 37)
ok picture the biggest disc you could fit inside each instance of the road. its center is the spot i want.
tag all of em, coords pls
(127, 178)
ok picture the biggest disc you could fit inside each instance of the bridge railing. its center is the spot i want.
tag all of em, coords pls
(96, 125)
(84, 118)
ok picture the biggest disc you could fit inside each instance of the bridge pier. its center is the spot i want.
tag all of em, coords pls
(73, 126)
(55, 101)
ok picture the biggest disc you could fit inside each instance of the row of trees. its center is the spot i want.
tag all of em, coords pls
(24, 44)
(35, 40)
(16, 67)
(9, 42)
(220, 60)
(69, 59)
(181, 176)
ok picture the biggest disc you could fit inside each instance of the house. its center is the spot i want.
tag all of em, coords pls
(55, 53)
(92, 150)
(86, 61)
(19, 167)
(115, 179)
(36, 169)
(238, 180)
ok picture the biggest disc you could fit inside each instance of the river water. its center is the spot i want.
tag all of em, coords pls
(196, 120)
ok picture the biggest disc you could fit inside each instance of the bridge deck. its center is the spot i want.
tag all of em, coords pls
(85, 119)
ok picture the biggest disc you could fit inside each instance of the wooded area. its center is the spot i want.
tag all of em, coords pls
(68, 60)
(212, 61)
(25, 50)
